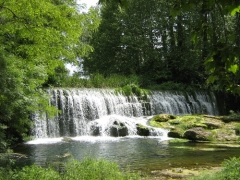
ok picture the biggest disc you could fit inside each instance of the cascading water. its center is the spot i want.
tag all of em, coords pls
(102, 112)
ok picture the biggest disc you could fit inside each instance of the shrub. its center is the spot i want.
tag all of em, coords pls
(36, 172)
(233, 116)
(133, 89)
(89, 169)
(231, 170)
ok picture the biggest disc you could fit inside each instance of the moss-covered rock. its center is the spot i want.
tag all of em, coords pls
(163, 117)
(142, 130)
(118, 129)
(174, 134)
(197, 134)
(198, 127)
(67, 139)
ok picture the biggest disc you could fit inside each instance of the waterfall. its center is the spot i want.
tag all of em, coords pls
(102, 112)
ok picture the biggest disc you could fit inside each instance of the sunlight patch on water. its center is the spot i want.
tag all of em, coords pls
(45, 141)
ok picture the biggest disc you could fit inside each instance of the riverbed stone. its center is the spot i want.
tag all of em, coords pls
(118, 129)
(95, 129)
(174, 134)
(163, 117)
(142, 130)
(197, 134)
(213, 124)
(67, 139)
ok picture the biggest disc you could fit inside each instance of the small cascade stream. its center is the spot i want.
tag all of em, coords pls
(101, 112)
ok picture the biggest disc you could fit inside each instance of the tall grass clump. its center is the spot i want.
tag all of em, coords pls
(89, 169)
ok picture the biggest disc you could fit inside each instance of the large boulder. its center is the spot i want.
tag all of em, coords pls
(95, 129)
(213, 124)
(118, 129)
(197, 134)
(142, 130)
(174, 134)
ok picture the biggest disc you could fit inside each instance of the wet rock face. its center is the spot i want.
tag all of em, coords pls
(95, 129)
(118, 129)
(142, 130)
(174, 134)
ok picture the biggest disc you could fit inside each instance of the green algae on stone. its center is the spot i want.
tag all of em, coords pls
(213, 128)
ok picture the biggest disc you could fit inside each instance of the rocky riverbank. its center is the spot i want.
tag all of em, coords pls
(200, 127)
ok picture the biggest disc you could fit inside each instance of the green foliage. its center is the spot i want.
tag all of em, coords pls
(35, 45)
(99, 81)
(173, 86)
(127, 42)
(212, 26)
(132, 89)
(36, 172)
(230, 171)
(222, 57)
(88, 169)
(3, 143)
(233, 116)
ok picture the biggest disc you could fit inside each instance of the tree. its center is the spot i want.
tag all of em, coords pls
(105, 42)
(222, 62)
(143, 39)
(36, 37)
(222, 59)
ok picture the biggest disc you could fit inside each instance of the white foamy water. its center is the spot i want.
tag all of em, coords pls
(102, 112)
(104, 125)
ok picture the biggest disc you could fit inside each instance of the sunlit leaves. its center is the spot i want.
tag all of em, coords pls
(233, 68)
(235, 10)
(36, 38)
(212, 79)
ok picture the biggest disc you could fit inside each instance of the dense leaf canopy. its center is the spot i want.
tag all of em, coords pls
(37, 38)
(215, 34)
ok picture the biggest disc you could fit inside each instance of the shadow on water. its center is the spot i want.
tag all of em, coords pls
(141, 154)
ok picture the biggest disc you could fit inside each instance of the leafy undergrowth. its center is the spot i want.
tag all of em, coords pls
(89, 169)
(230, 171)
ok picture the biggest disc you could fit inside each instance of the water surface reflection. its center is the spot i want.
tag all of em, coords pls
(143, 154)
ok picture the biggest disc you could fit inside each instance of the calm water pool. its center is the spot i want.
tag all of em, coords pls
(144, 154)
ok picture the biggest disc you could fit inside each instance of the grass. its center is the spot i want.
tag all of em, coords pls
(89, 169)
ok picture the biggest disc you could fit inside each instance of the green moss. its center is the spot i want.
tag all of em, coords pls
(177, 140)
(163, 117)
(215, 128)
(142, 126)
(163, 125)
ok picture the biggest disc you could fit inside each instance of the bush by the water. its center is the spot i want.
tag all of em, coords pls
(89, 169)
(230, 171)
